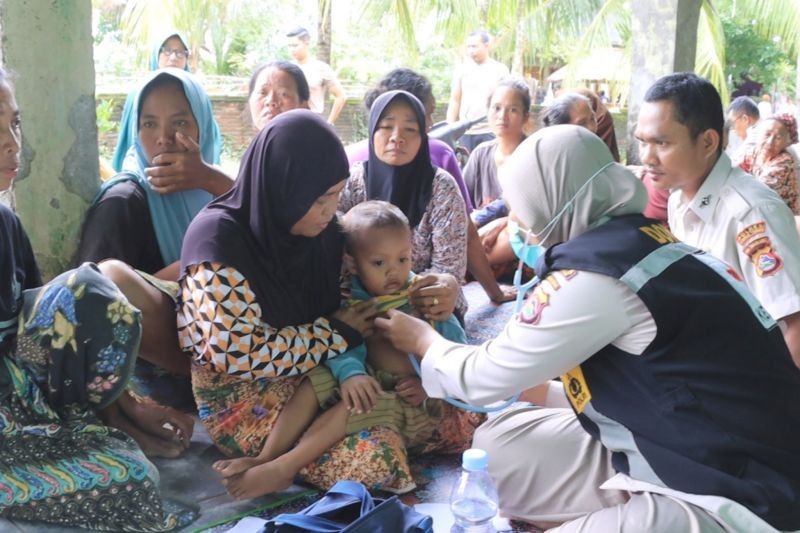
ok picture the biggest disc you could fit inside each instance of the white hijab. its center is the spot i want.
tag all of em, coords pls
(547, 170)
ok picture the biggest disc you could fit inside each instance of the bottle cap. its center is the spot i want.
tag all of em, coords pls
(475, 459)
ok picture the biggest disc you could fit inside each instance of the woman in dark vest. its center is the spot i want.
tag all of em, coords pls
(680, 403)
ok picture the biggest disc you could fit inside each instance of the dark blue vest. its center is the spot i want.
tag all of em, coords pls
(712, 406)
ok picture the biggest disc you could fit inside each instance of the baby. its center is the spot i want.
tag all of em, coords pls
(378, 384)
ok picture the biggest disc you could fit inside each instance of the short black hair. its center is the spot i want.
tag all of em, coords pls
(299, 32)
(559, 111)
(401, 79)
(519, 86)
(744, 105)
(695, 102)
(372, 214)
(303, 92)
(482, 34)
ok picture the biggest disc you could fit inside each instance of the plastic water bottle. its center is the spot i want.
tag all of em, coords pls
(474, 498)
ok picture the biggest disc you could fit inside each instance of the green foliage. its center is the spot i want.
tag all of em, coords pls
(751, 55)
(105, 117)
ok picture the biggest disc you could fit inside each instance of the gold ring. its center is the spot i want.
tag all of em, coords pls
(435, 300)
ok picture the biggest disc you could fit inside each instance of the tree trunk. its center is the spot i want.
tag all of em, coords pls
(324, 31)
(797, 79)
(520, 43)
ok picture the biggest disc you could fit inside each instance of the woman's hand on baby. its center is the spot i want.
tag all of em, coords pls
(360, 317)
(410, 389)
(360, 393)
(406, 333)
(434, 295)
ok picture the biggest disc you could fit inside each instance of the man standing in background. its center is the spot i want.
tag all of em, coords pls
(473, 83)
(320, 75)
(742, 115)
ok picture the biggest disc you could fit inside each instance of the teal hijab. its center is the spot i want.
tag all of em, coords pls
(126, 136)
(171, 213)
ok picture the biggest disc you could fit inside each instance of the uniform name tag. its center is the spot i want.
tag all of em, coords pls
(577, 390)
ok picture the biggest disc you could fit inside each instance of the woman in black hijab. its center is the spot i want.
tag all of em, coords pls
(259, 303)
(399, 171)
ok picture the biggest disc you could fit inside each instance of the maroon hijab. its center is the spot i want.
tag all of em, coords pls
(290, 163)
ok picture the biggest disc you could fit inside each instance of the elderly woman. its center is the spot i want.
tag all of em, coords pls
(571, 108)
(622, 315)
(399, 171)
(771, 163)
(66, 354)
(605, 122)
(274, 88)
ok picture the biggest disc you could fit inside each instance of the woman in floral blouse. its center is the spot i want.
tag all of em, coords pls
(399, 171)
(771, 163)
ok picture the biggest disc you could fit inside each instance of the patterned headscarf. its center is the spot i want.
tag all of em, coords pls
(789, 123)
(78, 338)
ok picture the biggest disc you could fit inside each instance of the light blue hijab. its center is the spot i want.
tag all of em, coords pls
(126, 137)
(171, 213)
(156, 51)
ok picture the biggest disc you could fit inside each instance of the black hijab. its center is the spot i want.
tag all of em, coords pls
(409, 186)
(287, 167)
(18, 271)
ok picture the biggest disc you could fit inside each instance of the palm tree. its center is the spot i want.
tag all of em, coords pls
(541, 31)
(775, 19)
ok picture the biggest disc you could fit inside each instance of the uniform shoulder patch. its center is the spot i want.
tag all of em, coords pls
(539, 299)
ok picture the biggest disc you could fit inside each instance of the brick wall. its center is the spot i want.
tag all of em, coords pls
(233, 117)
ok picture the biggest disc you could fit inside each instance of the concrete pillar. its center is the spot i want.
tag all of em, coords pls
(664, 41)
(49, 47)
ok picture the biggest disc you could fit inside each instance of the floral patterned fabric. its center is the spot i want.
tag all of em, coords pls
(74, 352)
(778, 173)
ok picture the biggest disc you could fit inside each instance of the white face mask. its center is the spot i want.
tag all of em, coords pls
(523, 288)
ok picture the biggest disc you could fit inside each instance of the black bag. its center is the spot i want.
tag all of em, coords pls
(349, 508)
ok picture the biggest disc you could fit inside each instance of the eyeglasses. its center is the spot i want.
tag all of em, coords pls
(181, 54)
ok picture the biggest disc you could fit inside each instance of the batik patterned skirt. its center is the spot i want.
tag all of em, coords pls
(59, 464)
(239, 415)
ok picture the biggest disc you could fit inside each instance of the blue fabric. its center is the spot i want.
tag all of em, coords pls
(352, 362)
(348, 507)
(170, 213)
(491, 211)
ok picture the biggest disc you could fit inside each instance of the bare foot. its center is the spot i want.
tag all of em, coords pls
(259, 480)
(231, 467)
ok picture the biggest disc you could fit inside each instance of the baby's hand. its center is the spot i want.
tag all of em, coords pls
(410, 389)
(360, 393)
